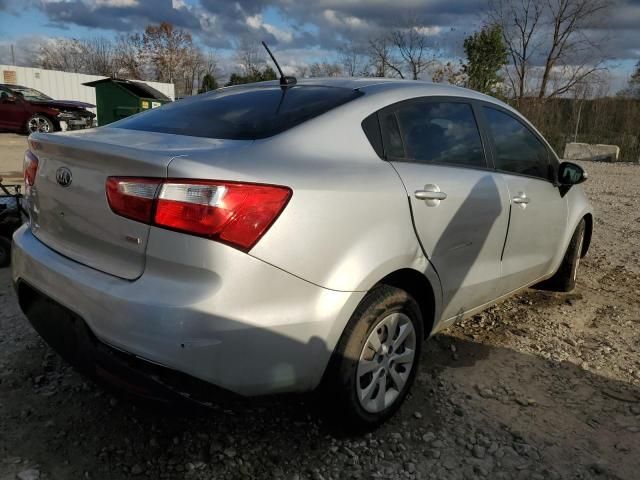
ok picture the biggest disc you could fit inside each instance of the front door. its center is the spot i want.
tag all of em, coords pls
(538, 211)
(460, 207)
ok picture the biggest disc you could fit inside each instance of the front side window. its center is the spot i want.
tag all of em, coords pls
(440, 132)
(518, 150)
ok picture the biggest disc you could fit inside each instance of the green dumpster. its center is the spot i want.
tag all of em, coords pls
(117, 99)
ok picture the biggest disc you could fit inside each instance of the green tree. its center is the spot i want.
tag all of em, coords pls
(268, 74)
(255, 75)
(208, 83)
(486, 55)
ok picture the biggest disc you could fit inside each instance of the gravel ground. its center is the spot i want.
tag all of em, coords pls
(543, 386)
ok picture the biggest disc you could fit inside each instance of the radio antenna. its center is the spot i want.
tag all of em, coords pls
(284, 80)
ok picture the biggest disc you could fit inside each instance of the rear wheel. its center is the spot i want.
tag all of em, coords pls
(565, 278)
(40, 123)
(377, 357)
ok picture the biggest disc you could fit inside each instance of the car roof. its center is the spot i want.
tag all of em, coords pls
(11, 85)
(387, 87)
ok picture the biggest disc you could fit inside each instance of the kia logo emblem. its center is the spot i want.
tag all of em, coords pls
(63, 176)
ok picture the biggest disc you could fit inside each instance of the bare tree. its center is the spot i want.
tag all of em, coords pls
(554, 31)
(325, 69)
(193, 68)
(211, 65)
(412, 46)
(382, 58)
(130, 57)
(249, 57)
(570, 48)
(99, 56)
(521, 21)
(302, 71)
(166, 46)
(66, 54)
(95, 56)
(352, 59)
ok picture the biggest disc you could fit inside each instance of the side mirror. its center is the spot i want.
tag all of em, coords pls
(571, 174)
(6, 98)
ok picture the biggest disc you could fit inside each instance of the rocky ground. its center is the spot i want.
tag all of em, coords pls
(543, 386)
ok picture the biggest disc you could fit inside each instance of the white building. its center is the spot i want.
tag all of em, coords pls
(64, 85)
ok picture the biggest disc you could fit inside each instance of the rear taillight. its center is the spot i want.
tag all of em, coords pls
(234, 213)
(132, 197)
(30, 168)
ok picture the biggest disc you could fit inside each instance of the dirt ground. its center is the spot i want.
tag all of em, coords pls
(543, 386)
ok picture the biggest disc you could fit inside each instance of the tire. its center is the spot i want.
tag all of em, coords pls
(40, 123)
(564, 279)
(5, 252)
(354, 397)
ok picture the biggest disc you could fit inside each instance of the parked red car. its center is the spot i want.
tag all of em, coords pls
(23, 109)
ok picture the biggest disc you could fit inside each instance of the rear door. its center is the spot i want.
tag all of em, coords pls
(538, 211)
(459, 204)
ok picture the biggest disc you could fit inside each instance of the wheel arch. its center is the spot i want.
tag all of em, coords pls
(588, 230)
(419, 287)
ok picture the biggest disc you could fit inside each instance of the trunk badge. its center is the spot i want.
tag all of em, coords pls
(63, 176)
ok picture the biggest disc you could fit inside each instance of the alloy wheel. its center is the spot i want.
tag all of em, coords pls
(385, 363)
(39, 124)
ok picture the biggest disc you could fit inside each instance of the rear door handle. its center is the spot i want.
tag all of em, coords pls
(431, 195)
(521, 199)
(427, 195)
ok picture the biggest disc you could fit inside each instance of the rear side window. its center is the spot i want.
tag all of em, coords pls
(517, 149)
(391, 137)
(241, 113)
(440, 132)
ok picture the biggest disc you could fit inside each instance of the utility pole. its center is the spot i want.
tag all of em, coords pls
(13, 56)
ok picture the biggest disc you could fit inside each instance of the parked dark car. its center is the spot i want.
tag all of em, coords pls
(23, 109)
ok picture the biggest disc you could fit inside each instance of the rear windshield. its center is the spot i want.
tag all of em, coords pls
(241, 113)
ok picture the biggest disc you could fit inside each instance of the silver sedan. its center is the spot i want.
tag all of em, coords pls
(309, 236)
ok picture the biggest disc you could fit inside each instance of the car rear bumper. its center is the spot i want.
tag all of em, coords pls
(69, 335)
(213, 313)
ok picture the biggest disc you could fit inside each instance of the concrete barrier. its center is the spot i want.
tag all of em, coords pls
(587, 151)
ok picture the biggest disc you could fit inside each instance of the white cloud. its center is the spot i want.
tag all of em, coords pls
(256, 22)
(112, 3)
(428, 31)
(333, 17)
(101, 3)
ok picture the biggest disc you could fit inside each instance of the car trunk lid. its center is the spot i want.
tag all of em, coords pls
(68, 205)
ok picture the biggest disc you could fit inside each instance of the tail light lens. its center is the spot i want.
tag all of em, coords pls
(30, 168)
(234, 213)
(132, 197)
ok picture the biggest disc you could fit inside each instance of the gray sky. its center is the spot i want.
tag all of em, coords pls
(300, 31)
